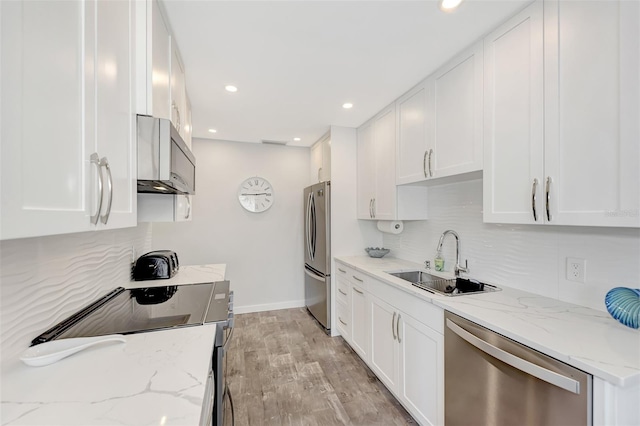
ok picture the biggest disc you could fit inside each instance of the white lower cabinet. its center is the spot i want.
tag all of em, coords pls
(399, 336)
(421, 370)
(359, 329)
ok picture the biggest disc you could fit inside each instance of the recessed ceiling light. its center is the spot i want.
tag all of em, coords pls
(449, 5)
(213, 131)
(347, 105)
(231, 88)
(297, 139)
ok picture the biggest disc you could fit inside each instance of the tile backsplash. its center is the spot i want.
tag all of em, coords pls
(527, 257)
(43, 280)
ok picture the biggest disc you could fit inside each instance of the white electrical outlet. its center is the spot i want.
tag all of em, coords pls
(576, 269)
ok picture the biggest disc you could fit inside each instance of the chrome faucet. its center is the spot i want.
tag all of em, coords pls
(457, 269)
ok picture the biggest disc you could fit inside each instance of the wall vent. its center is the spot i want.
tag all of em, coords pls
(268, 142)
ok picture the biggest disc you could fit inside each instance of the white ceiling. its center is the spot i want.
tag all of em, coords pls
(296, 62)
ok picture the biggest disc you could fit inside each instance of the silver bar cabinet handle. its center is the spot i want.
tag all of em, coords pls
(374, 208)
(342, 292)
(342, 270)
(398, 328)
(343, 323)
(424, 163)
(430, 170)
(95, 159)
(393, 326)
(357, 291)
(105, 163)
(534, 189)
(547, 190)
(356, 278)
(530, 368)
(370, 208)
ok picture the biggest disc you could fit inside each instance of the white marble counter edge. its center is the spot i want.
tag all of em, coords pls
(608, 371)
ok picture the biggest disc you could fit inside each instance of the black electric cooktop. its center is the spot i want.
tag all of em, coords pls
(144, 309)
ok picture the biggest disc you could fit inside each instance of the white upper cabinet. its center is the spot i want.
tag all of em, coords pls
(321, 160)
(513, 131)
(366, 163)
(153, 61)
(414, 139)
(378, 196)
(384, 135)
(440, 122)
(178, 91)
(80, 55)
(188, 125)
(457, 115)
(561, 115)
(161, 78)
(113, 118)
(592, 114)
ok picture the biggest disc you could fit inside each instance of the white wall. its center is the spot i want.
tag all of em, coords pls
(527, 257)
(44, 280)
(263, 251)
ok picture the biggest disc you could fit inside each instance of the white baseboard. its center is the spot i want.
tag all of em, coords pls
(269, 307)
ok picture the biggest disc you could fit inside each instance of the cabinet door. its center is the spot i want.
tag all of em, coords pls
(344, 321)
(44, 156)
(325, 173)
(366, 171)
(178, 90)
(457, 103)
(316, 162)
(384, 136)
(160, 64)
(359, 324)
(384, 344)
(513, 143)
(188, 127)
(114, 109)
(592, 96)
(413, 137)
(421, 371)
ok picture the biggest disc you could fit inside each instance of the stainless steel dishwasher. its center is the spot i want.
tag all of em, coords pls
(493, 380)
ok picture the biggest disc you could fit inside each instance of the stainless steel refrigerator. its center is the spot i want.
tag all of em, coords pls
(317, 252)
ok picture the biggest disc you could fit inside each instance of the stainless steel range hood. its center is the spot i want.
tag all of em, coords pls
(165, 164)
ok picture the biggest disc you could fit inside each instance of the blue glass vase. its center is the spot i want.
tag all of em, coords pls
(624, 305)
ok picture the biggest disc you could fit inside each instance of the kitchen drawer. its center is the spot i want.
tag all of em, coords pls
(351, 274)
(343, 294)
(343, 320)
(423, 311)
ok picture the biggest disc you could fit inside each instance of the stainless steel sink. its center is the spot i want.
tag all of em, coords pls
(447, 287)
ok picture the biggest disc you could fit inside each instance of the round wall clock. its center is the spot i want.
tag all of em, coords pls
(255, 194)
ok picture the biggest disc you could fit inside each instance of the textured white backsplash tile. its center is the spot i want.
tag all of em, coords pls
(527, 257)
(43, 280)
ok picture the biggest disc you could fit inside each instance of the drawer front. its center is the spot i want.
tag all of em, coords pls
(342, 293)
(343, 321)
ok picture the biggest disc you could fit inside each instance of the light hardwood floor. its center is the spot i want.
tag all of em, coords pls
(284, 370)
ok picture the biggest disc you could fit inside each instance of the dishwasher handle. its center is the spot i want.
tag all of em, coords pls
(530, 368)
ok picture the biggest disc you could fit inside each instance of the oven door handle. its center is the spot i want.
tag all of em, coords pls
(225, 345)
(532, 369)
(233, 414)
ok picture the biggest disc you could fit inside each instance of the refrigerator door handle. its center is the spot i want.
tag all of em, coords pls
(307, 226)
(313, 225)
(314, 276)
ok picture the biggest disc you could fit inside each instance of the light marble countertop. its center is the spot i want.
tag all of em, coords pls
(155, 378)
(585, 338)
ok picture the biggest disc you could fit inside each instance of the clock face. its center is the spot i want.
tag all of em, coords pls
(255, 194)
